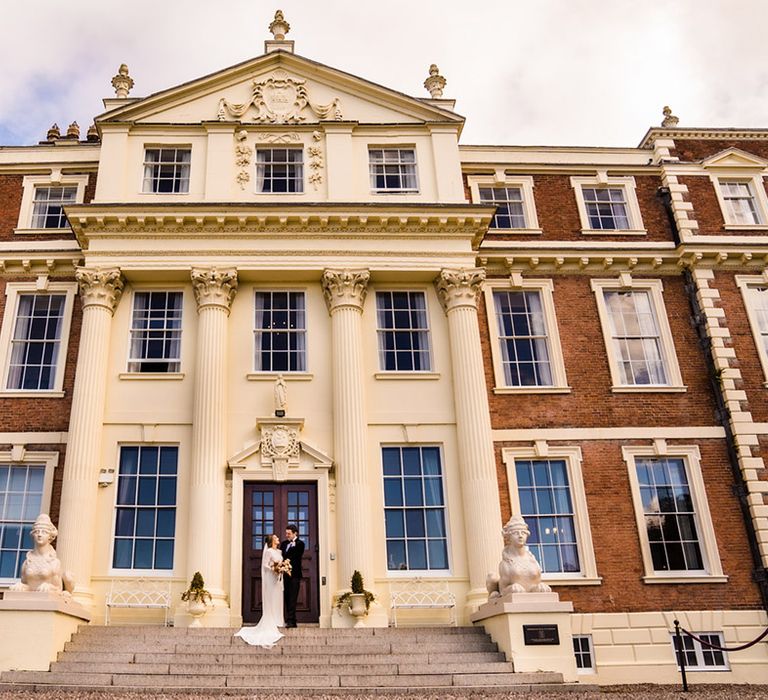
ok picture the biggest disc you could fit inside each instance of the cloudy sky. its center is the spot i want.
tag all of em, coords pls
(553, 72)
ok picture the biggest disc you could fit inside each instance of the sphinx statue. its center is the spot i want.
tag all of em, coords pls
(519, 572)
(41, 570)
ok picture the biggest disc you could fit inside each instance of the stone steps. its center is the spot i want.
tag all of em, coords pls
(308, 660)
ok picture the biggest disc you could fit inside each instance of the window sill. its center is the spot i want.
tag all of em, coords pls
(532, 390)
(411, 192)
(518, 231)
(163, 376)
(614, 232)
(271, 376)
(580, 581)
(421, 574)
(649, 389)
(38, 231)
(31, 394)
(407, 375)
(161, 574)
(746, 227)
(682, 578)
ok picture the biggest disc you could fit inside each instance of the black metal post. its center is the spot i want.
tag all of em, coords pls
(681, 651)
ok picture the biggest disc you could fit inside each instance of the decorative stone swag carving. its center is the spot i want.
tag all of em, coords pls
(279, 99)
(214, 287)
(100, 287)
(345, 288)
(457, 288)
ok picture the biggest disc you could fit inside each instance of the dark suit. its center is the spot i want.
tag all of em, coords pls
(291, 583)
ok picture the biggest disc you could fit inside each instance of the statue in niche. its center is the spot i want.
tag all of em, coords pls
(519, 572)
(41, 570)
(281, 396)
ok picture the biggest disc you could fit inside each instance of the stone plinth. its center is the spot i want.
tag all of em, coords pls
(34, 627)
(504, 618)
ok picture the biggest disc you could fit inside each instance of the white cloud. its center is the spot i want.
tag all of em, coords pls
(556, 72)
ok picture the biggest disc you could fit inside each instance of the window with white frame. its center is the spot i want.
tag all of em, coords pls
(21, 501)
(547, 489)
(740, 204)
(48, 206)
(156, 332)
(414, 509)
(512, 195)
(525, 345)
(393, 170)
(699, 657)
(44, 198)
(638, 340)
(607, 204)
(280, 332)
(34, 336)
(754, 291)
(509, 203)
(403, 331)
(582, 650)
(145, 513)
(279, 170)
(166, 170)
(673, 519)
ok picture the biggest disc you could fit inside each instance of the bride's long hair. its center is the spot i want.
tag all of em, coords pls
(268, 540)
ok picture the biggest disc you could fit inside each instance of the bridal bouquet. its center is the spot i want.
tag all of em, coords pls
(282, 567)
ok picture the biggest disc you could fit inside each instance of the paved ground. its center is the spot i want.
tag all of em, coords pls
(647, 692)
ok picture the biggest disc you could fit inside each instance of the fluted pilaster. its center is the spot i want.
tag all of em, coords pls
(100, 291)
(214, 291)
(458, 291)
(345, 292)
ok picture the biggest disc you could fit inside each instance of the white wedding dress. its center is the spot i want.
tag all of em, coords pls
(266, 632)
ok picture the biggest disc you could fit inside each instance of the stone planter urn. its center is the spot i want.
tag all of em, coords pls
(357, 608)
(197, 608)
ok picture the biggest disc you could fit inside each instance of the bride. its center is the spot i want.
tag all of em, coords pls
(266, 634)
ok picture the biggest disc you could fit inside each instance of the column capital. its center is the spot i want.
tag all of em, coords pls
(100, 287)
(214, 286)
(456, 288)
(345, 288)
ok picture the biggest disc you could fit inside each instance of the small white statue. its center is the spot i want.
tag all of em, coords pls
(281, 395)
(519, 572)
(41, 570)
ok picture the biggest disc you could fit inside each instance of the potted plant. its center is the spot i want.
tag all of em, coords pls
(197, 599)
(357, 600)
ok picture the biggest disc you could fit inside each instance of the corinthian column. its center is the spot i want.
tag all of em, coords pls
(214, 291)
(100, 290)
(345, 292)
(458, 291)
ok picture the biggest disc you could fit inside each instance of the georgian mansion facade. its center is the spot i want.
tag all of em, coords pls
(465, 333)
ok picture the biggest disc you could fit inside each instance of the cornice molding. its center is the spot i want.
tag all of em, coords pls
(701, 134)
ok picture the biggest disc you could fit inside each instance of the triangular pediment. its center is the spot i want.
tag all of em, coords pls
(735, 158)
(279, 88)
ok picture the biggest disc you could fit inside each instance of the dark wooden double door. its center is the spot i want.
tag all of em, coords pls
(270, 508)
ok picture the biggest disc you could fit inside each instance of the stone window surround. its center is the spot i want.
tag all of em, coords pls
(745, 283)
(573, 458)
(750, 176)
(601, 179)
(501, 179)
(50, 460)
(40, 286)
(144, 573)
(545, 287)
(55, 179)
(157, 287)
(625, 282)
(691, 457)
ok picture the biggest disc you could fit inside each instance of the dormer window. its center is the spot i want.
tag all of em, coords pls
(166, 170)
(280, 170)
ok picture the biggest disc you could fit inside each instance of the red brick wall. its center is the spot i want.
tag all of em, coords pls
(748, 359)
(39, 413)
(617, 541)
(699, 149)
(591, 402)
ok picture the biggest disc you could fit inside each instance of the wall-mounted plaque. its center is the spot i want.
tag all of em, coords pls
(541, 634)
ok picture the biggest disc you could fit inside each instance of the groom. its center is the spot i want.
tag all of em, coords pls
(293, 549)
